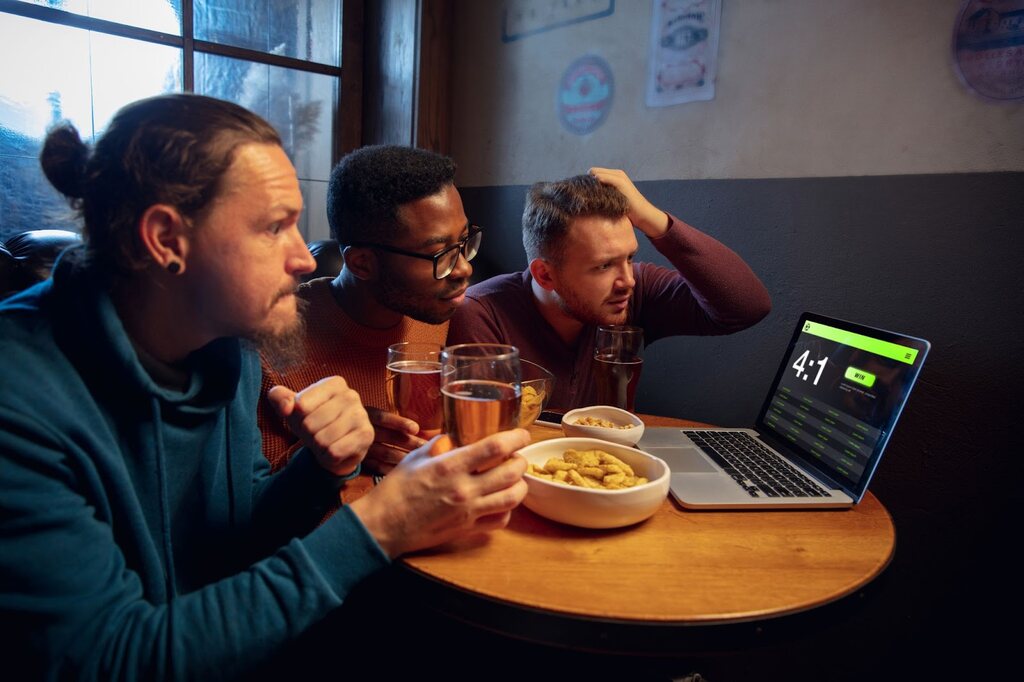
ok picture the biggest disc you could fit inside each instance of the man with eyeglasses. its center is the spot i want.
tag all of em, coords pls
(407, 244)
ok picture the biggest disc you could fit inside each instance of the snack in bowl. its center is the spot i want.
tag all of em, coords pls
(589, 469)
(597, 421)
(530, 406)
(604, 422)
(593, 506)
(538, 384)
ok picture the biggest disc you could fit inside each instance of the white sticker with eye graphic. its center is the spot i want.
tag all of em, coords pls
(683, 60)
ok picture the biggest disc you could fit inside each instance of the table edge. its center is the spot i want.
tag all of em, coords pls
(750, 617)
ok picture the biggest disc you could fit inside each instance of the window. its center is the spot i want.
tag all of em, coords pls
(81, 60)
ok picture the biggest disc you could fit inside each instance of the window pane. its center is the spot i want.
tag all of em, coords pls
(303, 29)
(299, 105)
(157, 15)
(27, 200)
(57, 85)
(313, 222)
(61, 85)
(125, 70)
(236, 80)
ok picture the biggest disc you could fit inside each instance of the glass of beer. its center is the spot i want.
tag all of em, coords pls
(617, 364)
(481, 387)
(413, 384)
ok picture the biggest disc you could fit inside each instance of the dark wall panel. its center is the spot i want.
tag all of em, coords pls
(937, 256)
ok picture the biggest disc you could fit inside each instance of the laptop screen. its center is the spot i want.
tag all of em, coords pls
(837, 396)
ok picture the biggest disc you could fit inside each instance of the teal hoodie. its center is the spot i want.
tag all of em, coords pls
(142, 535)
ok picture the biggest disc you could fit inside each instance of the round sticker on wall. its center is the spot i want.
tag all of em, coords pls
(988, 48)
(585, 94)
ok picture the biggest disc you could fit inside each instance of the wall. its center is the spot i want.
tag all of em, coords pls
(842, 158)
(805, 88)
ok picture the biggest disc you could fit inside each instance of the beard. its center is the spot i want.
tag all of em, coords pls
(284, 349)
(574, 306)
(394, 296)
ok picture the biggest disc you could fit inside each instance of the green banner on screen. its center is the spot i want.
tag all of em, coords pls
(876, 346)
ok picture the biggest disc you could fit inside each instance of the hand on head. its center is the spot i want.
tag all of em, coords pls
(647, 217)
(393, 437)
(329, 419)
(429, 500)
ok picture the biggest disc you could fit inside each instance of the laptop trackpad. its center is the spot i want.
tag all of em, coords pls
(683, 460)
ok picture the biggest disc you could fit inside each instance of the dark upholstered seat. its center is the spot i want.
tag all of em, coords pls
(9, 272)
(28, 257)
(327, 254)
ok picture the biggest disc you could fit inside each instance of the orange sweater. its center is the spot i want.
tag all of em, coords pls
(335, 345)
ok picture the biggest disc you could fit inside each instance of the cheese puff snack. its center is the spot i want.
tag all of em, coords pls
(531, 402)
(604, 423)
(586, 458)
(588, 469)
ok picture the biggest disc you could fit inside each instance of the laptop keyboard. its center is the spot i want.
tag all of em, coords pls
(755, 468)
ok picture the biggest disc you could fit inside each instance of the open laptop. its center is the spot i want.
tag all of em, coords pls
(819, 436)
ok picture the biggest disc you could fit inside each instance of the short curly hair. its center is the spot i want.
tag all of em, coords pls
(369, 185)
(552, 206)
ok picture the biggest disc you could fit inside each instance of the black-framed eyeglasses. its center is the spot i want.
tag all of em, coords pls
(447, 258)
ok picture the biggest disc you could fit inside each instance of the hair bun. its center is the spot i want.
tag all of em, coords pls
(63, 159)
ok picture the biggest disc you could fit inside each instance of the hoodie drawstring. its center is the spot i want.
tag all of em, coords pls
(230, 473)
(165, 522)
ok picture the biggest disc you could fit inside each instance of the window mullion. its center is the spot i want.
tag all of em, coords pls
(188, 74)
(225, 50)
(57, 16)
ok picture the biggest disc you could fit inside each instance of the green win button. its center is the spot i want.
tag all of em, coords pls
(860, 376)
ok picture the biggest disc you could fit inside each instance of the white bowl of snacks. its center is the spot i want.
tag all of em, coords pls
(593, 483)
(604, 422)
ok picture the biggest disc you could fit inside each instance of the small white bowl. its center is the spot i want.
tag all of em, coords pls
(613, 414)
(590, 507)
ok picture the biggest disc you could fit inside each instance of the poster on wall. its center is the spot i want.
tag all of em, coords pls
(585, 94)
(683, 61)
(988, 48)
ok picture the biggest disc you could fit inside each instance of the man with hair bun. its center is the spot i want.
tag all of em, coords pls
(580, 246)
(142, 534)
(406, 241)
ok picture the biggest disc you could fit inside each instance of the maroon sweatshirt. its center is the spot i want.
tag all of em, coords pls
(712, 291)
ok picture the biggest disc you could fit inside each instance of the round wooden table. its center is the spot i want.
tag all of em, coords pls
(582, 588)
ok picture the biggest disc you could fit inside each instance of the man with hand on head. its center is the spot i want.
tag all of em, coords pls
(407, 244)
(579, 241)
(142, 535)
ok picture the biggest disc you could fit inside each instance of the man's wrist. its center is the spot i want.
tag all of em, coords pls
(365, 509)
(655, 223)
(352, 474)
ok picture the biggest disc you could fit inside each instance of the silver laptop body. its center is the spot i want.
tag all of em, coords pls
(829, 414)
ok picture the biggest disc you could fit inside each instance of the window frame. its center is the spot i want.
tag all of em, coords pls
(346, 132)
